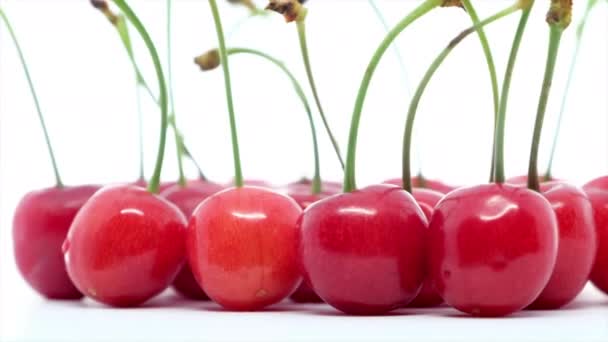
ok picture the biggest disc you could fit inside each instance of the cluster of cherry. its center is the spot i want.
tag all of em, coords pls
(487, 250)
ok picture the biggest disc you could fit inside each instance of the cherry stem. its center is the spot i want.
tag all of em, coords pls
(499, 130)
(177, 136)
(238, 172)
(489, 61)
(316, 181)
(349, 173)
(140, 133)
(154, 184)
(58, 182)
(409, 126)
(555, 35)
(301, 25)
(579, 34)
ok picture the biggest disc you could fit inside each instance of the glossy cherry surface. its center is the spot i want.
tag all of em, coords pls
(301, 192)
(493, 248)
(363, 252)
(427, 200)
(187, 198)
(125, 246)
(576, 248)
(242, 247)
(40, 225)
(420, 183)
(597, 190)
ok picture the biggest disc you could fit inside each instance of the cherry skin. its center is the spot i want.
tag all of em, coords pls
(125, 246)
(301, 192)
(597, 190)
(492, 248)
(576, 248)
(242, 247)
(41, 223)
(427, 200)
(187, 198)
(363, 252)
(417, 182)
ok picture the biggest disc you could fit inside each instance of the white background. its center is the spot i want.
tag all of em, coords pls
(87, 91)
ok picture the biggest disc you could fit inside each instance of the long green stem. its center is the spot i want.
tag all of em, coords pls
(178, 139)
(555, 36)
(499, 131)
(579, 34)
(301, 24)
(140, 133)
(409, 126)
(316, 181)
(489, 61)
(349, 172)
(58, 182)
(238, 172)
(164, 106)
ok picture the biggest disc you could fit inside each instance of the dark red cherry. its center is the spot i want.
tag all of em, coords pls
(125, 246)
(576, 248)
(363, 252)
(242, 247)
(418, 182)
(41, 223)
(492, 248)
(187, 198)
(597, 190)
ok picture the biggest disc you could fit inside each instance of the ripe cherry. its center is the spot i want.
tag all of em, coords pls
(597, 190)
(41, 222)
(187, 198)
(242, 247)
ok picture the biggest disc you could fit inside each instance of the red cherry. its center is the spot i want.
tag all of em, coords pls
(187, 198)
(41, 223)
(363, 252)
(597, 190)
(493, 248)
(142, 183)
(242, 247)
(301, 192)
(427, 200)
(417, 182)
(523, 180)
(125, 246)
(577, 245)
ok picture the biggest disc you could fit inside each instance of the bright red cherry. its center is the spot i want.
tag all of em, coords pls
(597, 190)
(492, 248)
(125, 246)
(423, 183)
(363, 252)
(187, 198)
(427, 200)
(242, 247)
(577, 245)
(301, 192)
(41, 223)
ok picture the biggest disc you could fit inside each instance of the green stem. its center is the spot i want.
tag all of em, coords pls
(409, 126)
(349, 172)
(178, 139)
(316, 181)
(238, 173)
(164, 107)
(499, 131)
(188, 155)
(555, 36)
(579, 34)
(58, 182)
(140, 131)
(301, 24)
(489, 61)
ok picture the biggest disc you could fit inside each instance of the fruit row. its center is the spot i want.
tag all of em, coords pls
(486, 250)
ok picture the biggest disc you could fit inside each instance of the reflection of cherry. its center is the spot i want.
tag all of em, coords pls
(187, 198)
(597, 190)
(577, 245)
(41, 223)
